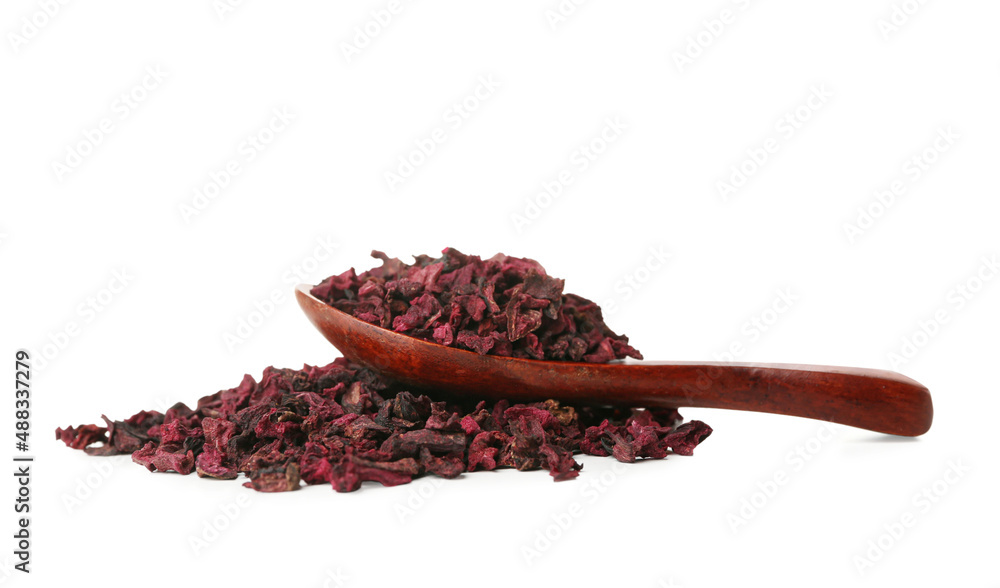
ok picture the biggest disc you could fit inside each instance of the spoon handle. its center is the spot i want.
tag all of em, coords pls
(877, 400)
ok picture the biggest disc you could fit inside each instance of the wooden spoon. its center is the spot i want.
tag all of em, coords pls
(876, 400)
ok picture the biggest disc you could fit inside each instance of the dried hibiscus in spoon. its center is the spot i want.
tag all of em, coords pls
(342, 425)
(500, 306)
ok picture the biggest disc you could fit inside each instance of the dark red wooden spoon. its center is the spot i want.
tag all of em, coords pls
(876, 400)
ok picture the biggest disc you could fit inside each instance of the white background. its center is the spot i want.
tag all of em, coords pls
(889, 92)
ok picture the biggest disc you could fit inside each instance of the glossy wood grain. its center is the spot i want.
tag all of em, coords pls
(876, 400)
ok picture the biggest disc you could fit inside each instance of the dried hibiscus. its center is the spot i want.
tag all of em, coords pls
(342, 425)
(499, 306)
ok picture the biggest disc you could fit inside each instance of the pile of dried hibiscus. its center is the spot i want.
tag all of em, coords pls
(343, 424)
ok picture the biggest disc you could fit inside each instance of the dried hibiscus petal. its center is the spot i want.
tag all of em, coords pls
(164, 458)
(80, 437)
(484, 449)
(275, 478)
(686, 437)
(347, 475)
(559, 462)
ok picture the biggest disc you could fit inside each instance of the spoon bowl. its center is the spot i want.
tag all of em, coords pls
(877, 400)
